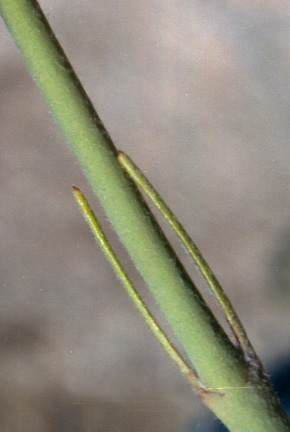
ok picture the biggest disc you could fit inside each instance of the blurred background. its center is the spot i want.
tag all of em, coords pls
(197, 92)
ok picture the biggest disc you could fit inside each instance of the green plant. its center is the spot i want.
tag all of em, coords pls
(230, 378)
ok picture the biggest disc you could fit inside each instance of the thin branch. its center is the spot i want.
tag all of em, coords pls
(162, 338)
(240, 333)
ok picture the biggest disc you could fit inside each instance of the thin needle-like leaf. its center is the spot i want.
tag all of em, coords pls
(99, 234)
(139, 178)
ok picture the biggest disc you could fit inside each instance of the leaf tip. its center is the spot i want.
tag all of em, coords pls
(121, 154)
(77, 193)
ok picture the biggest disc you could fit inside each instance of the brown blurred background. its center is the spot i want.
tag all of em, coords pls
(197, 92)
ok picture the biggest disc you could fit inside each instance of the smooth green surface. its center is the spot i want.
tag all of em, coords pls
(98, 159)
(247, 405)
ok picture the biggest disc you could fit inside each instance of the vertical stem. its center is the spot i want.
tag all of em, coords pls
(130, 216)
(219, 364)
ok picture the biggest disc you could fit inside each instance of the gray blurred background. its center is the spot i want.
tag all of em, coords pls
(197, 92)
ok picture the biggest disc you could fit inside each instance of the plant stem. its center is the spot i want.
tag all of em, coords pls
(100, 236)
(97, 156)
(249, 404)
(238, 329)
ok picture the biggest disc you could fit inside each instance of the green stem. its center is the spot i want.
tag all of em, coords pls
(218, 363)
(100, 236)
(128, 213)
(139, 178)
